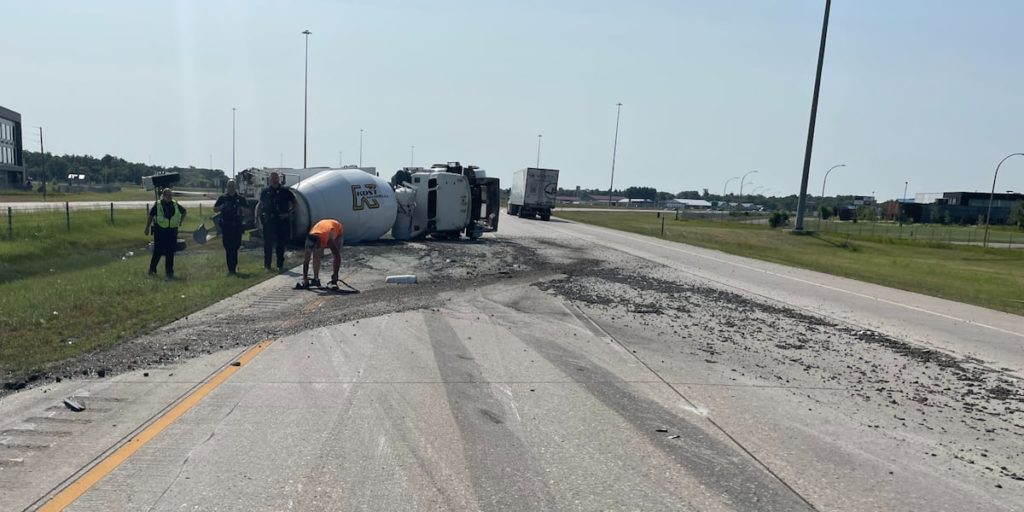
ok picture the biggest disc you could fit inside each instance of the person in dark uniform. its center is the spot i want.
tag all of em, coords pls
(276, 203)
(232, 208)
(165, 217)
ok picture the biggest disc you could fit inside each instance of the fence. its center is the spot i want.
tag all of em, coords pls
(998, 236)
(23, 220)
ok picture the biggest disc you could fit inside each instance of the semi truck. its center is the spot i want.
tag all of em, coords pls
(533, 193)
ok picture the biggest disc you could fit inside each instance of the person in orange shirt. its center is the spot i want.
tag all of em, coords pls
(325, 234)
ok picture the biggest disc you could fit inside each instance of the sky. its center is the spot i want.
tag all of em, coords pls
(921, 91)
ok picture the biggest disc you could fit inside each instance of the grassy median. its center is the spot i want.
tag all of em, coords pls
(992, 278)
(67, 292)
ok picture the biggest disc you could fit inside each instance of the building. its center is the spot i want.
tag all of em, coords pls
(12, 163)
(962, 208)
(688, 204)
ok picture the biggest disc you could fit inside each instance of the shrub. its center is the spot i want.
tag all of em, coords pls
(778, 219)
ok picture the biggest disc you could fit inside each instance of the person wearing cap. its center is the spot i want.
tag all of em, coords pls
(165, 217)
(326, 234)
(231, 208)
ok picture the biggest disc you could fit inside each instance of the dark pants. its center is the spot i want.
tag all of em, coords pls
(164, 243)
(275, 235)
(231, 236)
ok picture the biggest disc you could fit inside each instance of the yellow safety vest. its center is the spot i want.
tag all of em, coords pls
(163, 221)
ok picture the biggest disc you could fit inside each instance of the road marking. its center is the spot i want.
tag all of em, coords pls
(85, 482)
(812, 283)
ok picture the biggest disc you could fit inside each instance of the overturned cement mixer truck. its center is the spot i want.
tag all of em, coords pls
(444, 201)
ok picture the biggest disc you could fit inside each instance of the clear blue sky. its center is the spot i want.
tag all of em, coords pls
(928, 91)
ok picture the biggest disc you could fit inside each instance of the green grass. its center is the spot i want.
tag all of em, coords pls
(66, 293)
(125, 194)
(991, 278)
(933, 232)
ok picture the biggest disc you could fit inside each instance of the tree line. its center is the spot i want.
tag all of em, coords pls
(111, 170)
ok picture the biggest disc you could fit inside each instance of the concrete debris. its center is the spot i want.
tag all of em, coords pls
(75, 404)
(401, 279)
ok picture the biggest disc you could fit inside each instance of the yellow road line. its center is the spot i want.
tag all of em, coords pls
(85, 482)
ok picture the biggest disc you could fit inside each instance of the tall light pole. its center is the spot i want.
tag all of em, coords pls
(360, 147)
(233, 109)
(992, 195)
(823, 180)
(802, 200)
(412, 156)
(305, 104)
(742, 180)
(725, 187)
(538, 150)
(615, 147)
(900, 209)
(340, 160)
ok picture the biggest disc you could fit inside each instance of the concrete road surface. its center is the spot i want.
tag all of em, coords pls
(555, 366)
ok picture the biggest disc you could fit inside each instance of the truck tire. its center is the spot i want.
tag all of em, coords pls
(522, 213)
(545, 216)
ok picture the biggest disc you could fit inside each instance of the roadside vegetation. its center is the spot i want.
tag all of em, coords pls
(991, 278)
(65, 293)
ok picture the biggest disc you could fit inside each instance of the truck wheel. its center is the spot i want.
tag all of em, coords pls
(545, 216)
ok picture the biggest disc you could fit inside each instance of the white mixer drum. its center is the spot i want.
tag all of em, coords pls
(362, 202)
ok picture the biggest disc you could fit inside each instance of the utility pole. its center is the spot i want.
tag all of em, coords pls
(412, 156)
(340, 164)
(538, 150)
(615, 147)
(802, 200)
(305, 104)
(360, 147)
(232, 142)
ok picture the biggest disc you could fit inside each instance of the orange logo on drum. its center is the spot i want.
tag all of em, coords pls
(364, 196)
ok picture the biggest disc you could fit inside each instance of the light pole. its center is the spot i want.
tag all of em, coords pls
(233, 109)
(899, 211)
(305, 104)
(802, 200)
(340, 153)
(615, 147)
(725, 188)
(538, 150)
(412, 156)
(360, 147)
(742, 180)
(823, 180)
(992, 195)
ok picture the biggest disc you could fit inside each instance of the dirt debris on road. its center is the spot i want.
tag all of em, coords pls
(972, 414)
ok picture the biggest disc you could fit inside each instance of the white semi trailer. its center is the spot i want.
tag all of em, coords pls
(443, 201)
(533, 193)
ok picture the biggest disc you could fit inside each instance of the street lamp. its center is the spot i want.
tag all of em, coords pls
(538, 150)
(615, 147)
(412, 155)
(233, 109)
(823, 180)
(305, 103)
(742, 180)
(360, 147)
(992, 195)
